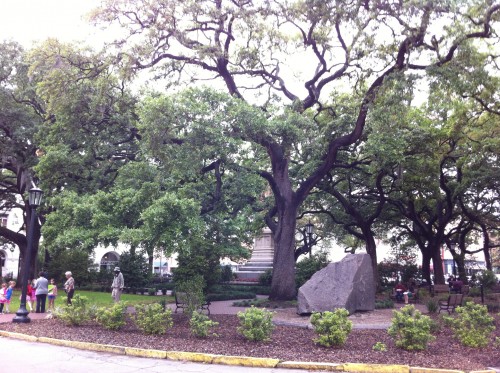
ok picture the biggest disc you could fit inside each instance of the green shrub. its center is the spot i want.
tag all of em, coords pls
(76, 313)
(256, 324)
(496, 342)
(432, 305)
(410, 329)
(266, 278)
(423, 293)
(225, 288)
(384, 304)
(307, 267)
(112, 318)
(474, 292)
(332, 327)
(379, 346)
(163, 302)
(226, 274)
(135, 269)
(200, 325)
(151, 291)
(230, 295)
(192, 296)
(487, 279)
(153, 318)
(472, 325)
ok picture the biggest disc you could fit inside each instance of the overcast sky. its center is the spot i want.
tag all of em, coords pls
(28, 21)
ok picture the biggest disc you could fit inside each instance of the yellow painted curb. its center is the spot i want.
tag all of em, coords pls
(434, 370)
(141, 352)
(245, 361)
(190, 356)
(24, 337)
(376, 368)
(329, 367)
(97, 347)
(53, 341)
(234, 360)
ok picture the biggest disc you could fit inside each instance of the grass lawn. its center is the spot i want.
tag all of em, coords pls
(98, 298)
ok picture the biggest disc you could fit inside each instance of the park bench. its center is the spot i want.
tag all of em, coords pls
(439, 288)
(453, 301)
(413, 299)
(182, 301)
(415, 296)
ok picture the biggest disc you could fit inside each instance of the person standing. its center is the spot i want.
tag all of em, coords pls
(69, 286)
(30, 295)
(117, 285)
(3, 293)
(8, 295)
(42, 289)
(52, 293)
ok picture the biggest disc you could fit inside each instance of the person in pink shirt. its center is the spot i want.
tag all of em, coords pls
(3, 296)
(32, 291)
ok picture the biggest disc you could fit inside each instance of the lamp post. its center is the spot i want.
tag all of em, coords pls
(453, 246)
(306, 236)
(309, 229)
(34, 200)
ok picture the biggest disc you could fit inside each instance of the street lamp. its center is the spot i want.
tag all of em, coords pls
(34, 200)
(453, 246)
(309, 229)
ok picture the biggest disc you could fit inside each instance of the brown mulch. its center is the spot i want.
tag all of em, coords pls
(287, 344)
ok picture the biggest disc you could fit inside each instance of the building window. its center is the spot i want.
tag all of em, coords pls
(109, 261)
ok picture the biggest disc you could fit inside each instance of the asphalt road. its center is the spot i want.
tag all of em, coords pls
(22, 356)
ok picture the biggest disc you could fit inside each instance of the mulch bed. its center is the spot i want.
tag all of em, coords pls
(287, 344)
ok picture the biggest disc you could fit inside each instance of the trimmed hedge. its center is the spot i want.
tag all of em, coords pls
(257, 289)
(230, 295)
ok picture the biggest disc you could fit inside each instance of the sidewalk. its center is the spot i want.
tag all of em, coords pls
(7, 317)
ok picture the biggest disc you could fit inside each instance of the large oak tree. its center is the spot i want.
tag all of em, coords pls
(297, 51)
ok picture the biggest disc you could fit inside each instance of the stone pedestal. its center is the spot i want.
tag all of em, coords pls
(261, 259)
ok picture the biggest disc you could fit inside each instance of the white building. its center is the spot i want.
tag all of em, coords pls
(9, 253)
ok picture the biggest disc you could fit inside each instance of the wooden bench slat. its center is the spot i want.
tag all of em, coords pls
(453, 301)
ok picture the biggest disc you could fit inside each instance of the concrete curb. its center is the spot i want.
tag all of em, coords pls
(233, 360)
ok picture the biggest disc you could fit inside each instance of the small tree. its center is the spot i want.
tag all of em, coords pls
(192, 290)
(135, 269)
(201, 260)
(78, 262)
(309, 266)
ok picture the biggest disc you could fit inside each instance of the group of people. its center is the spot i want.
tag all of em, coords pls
(40, 289)
(455, 284)
(5, 295)
(37, 292)
(404, 293)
